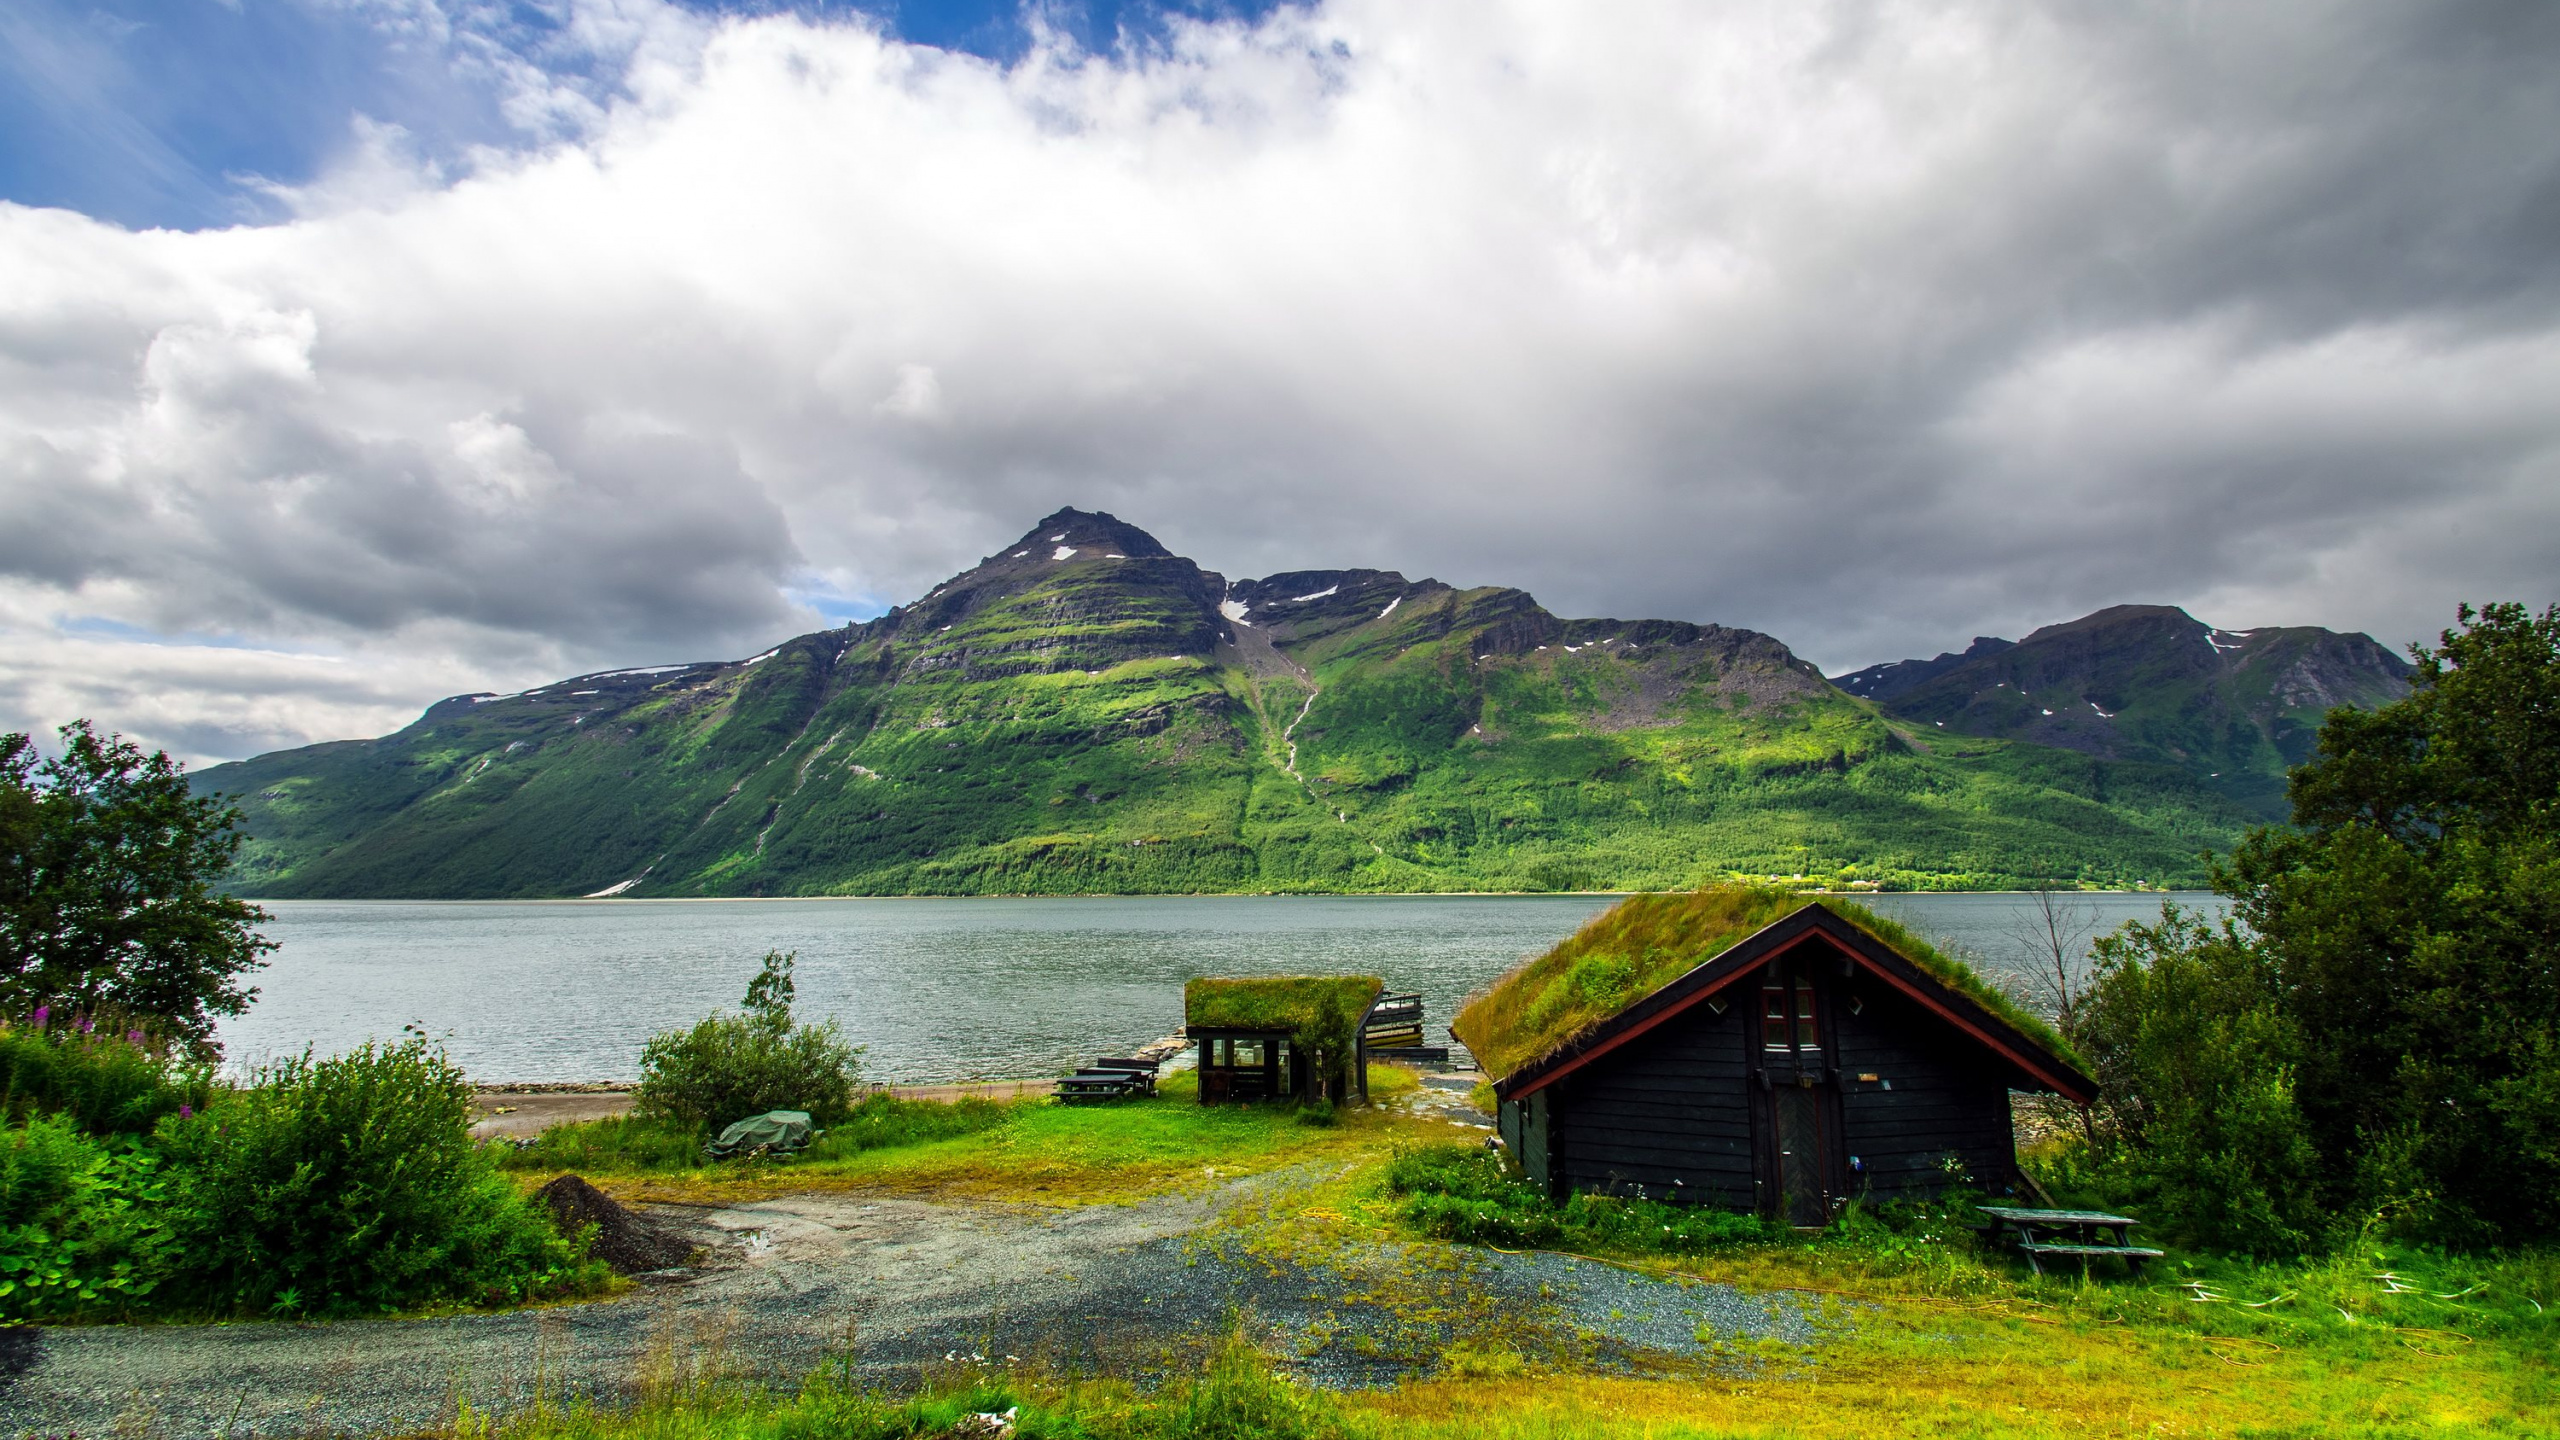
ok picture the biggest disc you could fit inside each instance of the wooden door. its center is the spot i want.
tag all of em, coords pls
(1799, 1131)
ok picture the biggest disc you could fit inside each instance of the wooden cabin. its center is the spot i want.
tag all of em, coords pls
(1764, 1053)
(1283, 1037)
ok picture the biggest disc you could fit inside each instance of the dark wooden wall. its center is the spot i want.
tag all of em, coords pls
(1949, 1100)
(1668, 1117)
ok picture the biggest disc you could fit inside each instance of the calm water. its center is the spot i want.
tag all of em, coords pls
(936, 989)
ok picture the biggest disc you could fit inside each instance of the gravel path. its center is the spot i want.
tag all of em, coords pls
(901, 1288)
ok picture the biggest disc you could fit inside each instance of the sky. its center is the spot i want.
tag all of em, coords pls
(356, 353)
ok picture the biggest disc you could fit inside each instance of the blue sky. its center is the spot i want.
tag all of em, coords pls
(170, 112)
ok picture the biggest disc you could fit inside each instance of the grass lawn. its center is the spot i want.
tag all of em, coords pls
(1920, 1333)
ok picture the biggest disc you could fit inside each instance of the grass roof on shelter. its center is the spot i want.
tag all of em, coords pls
(1647, 941)
(1322, 1011)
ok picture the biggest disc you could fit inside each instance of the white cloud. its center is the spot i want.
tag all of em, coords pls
(1876, 326)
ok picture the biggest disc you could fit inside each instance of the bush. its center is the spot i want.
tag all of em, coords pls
(729, 1067)
(2196, 1120)
(108, 1084)
(1458, 1192)
(351, 1184)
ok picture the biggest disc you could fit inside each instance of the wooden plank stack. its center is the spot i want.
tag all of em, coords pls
(1393, 1030)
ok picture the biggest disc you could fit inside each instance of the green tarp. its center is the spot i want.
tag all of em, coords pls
(777, 1131)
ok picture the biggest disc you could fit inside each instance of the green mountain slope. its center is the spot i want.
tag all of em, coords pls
(1086, 712)
(2235, 709)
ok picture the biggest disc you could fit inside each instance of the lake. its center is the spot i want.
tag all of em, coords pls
(934, 989)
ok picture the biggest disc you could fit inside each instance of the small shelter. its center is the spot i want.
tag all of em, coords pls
(1281, 1037)
(1762, 1051)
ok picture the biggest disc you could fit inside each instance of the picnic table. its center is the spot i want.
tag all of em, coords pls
(1108, 1079)
(2082, 1235)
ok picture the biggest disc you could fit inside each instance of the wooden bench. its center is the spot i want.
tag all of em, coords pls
(2131, 1255)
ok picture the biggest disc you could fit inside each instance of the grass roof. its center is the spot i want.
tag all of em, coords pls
(1647, 941)
(1321, 1011)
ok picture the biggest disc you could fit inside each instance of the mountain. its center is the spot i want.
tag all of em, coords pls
(1085, 711)
(2234, 708)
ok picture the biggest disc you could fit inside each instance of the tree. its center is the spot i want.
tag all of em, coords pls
(2195, 1062)
(108, 867)
(2412, 921)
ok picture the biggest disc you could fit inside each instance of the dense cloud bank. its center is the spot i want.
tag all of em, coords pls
(1875, 326)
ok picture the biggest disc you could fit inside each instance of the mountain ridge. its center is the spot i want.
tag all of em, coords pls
(1085, 711)
(2237, 708)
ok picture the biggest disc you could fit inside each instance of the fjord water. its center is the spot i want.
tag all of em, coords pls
(935, 989)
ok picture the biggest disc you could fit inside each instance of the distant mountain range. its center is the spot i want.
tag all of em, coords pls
(1086, 712)
(2236, 708)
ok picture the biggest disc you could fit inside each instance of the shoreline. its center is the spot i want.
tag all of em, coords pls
(1139, 895)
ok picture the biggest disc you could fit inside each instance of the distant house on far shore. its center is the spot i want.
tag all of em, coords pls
(1762, 1051)
(1280, 1037)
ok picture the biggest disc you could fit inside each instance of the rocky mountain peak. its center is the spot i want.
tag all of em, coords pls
(1091, 533)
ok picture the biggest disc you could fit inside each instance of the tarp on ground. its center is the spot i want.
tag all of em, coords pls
(777, 1131)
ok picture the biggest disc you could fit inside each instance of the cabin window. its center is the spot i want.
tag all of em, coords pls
(1280, 1058)
(1222, 1052)
(1788, 1020)
(1248, 1054)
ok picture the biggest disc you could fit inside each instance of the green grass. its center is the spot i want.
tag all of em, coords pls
(1028, 1150)
(632, 1144)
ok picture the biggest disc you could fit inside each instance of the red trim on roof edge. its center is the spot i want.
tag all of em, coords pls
(1932, 1003)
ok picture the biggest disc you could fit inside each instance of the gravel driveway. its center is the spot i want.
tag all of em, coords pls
(898, 1288)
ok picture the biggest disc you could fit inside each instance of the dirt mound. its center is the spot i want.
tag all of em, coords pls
(622, 1240)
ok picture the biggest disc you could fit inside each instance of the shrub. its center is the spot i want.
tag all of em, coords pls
(729, 1067)
(109, 1084)
(1457, 1192)
(351, 1184)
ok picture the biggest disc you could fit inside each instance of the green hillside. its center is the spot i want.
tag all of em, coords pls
(1087, 713)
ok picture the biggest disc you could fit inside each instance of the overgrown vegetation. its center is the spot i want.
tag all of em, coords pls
(1322, 1014)
(729, 1067)
(2373, 1044)
(1474, 1196)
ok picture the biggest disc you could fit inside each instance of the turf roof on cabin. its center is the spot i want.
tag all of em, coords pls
(1647, 941)
(1318, 1010)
